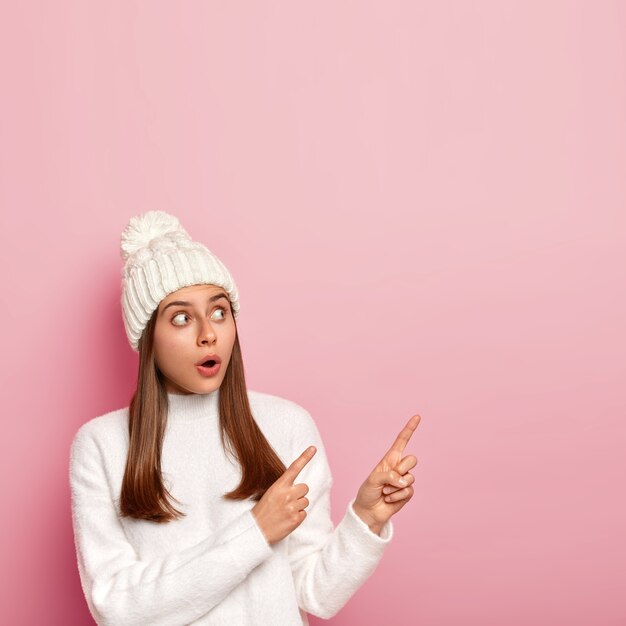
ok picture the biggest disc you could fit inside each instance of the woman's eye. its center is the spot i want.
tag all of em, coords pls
(179, 315)
(223, 310)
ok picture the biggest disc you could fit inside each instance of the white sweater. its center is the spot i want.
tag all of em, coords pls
(213, 566)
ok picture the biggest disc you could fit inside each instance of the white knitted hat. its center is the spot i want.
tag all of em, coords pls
(160, 258)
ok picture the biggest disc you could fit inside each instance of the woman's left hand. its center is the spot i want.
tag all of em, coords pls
(383, 493)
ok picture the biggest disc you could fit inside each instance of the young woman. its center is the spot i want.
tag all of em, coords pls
(203, 502)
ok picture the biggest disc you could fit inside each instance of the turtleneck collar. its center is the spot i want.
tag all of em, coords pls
(190, 407)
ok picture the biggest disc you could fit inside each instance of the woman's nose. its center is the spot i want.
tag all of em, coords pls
(207, 332)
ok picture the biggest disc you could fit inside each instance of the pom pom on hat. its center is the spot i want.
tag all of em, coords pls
(142, 229)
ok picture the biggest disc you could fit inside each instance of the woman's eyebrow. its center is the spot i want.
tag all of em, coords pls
(185, 303)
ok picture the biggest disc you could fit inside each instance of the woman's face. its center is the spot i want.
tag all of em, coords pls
(193, 324)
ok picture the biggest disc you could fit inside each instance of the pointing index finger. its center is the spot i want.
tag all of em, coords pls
(291, 473)
(405, 434)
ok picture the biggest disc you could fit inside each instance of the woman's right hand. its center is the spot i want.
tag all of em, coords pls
(281, 508)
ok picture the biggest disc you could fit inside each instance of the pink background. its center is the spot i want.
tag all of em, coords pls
(423, 207)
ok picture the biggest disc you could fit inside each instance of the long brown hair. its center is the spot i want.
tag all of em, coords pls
(143, 494)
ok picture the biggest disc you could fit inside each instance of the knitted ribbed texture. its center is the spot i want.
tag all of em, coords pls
(160, 258)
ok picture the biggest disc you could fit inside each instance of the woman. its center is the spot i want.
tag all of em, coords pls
(203, 502)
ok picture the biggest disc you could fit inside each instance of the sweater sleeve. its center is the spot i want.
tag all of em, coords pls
(329, 564)
(176, 588)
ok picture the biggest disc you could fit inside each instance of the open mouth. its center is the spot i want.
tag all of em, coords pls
(209, 368)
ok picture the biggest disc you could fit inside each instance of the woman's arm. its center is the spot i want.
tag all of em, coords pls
(174, 589)
(329, 564)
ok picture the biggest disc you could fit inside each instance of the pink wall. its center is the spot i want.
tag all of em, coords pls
(423, 206)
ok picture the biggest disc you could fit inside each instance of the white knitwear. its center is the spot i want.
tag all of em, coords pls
(160, 258)
(215, 565)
